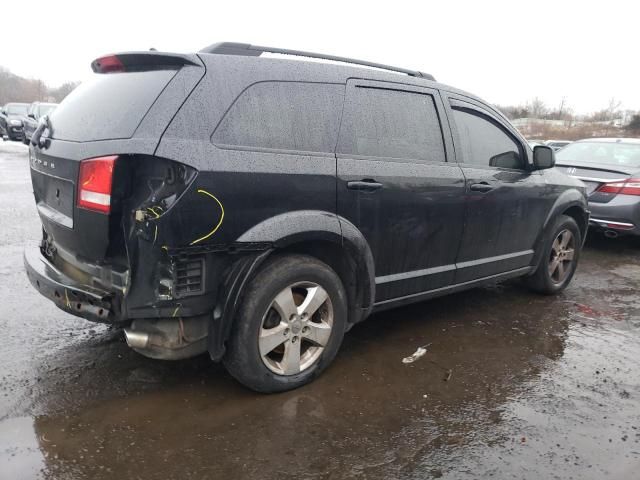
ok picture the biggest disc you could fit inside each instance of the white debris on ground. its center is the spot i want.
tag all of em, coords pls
(416, 355)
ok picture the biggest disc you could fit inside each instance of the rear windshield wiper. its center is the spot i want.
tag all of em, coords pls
(37, 140)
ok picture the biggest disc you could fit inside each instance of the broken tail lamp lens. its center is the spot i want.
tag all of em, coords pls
(94, 183)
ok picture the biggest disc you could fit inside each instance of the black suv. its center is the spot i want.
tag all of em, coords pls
(12, 117)
(256, 208)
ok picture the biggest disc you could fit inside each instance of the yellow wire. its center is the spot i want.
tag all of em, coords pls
(153, 211)
(219, 222)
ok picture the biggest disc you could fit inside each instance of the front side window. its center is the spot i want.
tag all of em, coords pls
(484, 142)
(296, 116)
(393, 124)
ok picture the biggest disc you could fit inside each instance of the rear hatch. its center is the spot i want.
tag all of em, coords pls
(120, 114)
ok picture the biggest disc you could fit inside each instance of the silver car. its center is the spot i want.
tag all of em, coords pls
(610, 168)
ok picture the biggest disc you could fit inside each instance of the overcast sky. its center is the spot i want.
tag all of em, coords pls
(506, 52)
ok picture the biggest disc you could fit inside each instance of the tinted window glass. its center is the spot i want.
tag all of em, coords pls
(284, 116)
(483, 142)
(108, 106)
(394, 124)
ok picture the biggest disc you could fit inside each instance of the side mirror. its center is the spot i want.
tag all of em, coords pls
(31, 115)
(543, 157)
(508, 159)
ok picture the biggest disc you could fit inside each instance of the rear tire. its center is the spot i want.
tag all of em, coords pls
(290, 325)
(561, 252)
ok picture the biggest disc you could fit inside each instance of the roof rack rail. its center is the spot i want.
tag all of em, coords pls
(246, 49)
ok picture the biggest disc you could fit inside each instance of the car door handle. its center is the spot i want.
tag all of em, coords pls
(365, 185)
(481, 187)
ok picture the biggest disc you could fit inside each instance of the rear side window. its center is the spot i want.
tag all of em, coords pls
(108, 106)
(484, 142)
(393, 124)
(295, 116)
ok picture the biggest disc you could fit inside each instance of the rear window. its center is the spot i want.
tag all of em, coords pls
(108, 106)
(618, 153)
(294, 116)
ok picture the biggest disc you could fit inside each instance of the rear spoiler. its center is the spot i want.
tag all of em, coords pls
(142, 61)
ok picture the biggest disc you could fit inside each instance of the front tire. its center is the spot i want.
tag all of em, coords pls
(561, 252)
(290, 325)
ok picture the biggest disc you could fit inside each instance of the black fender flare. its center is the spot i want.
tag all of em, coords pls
(566, 200)
(280, 232)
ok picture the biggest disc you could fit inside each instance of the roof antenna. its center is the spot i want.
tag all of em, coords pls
(153, 49)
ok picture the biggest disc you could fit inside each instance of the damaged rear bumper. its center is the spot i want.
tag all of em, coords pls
(81, 300)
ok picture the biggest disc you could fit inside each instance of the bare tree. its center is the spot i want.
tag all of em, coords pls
(634, 124)
(63, 90)
(613, 109)
(537, 108)
(14, 88)
(562, 107)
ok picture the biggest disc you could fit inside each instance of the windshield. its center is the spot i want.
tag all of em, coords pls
(17, 109)
(626, 154)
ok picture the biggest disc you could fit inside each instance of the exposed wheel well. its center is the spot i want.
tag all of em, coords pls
(579, 216)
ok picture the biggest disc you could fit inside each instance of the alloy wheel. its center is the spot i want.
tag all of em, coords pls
(562, 255)
(296, 328)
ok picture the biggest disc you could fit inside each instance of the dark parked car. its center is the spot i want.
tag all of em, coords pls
(36, 111)
(12, 117)
(257, 208)
(610, 168)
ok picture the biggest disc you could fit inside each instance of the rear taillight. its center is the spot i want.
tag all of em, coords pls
(94, 183)
(630, 186)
